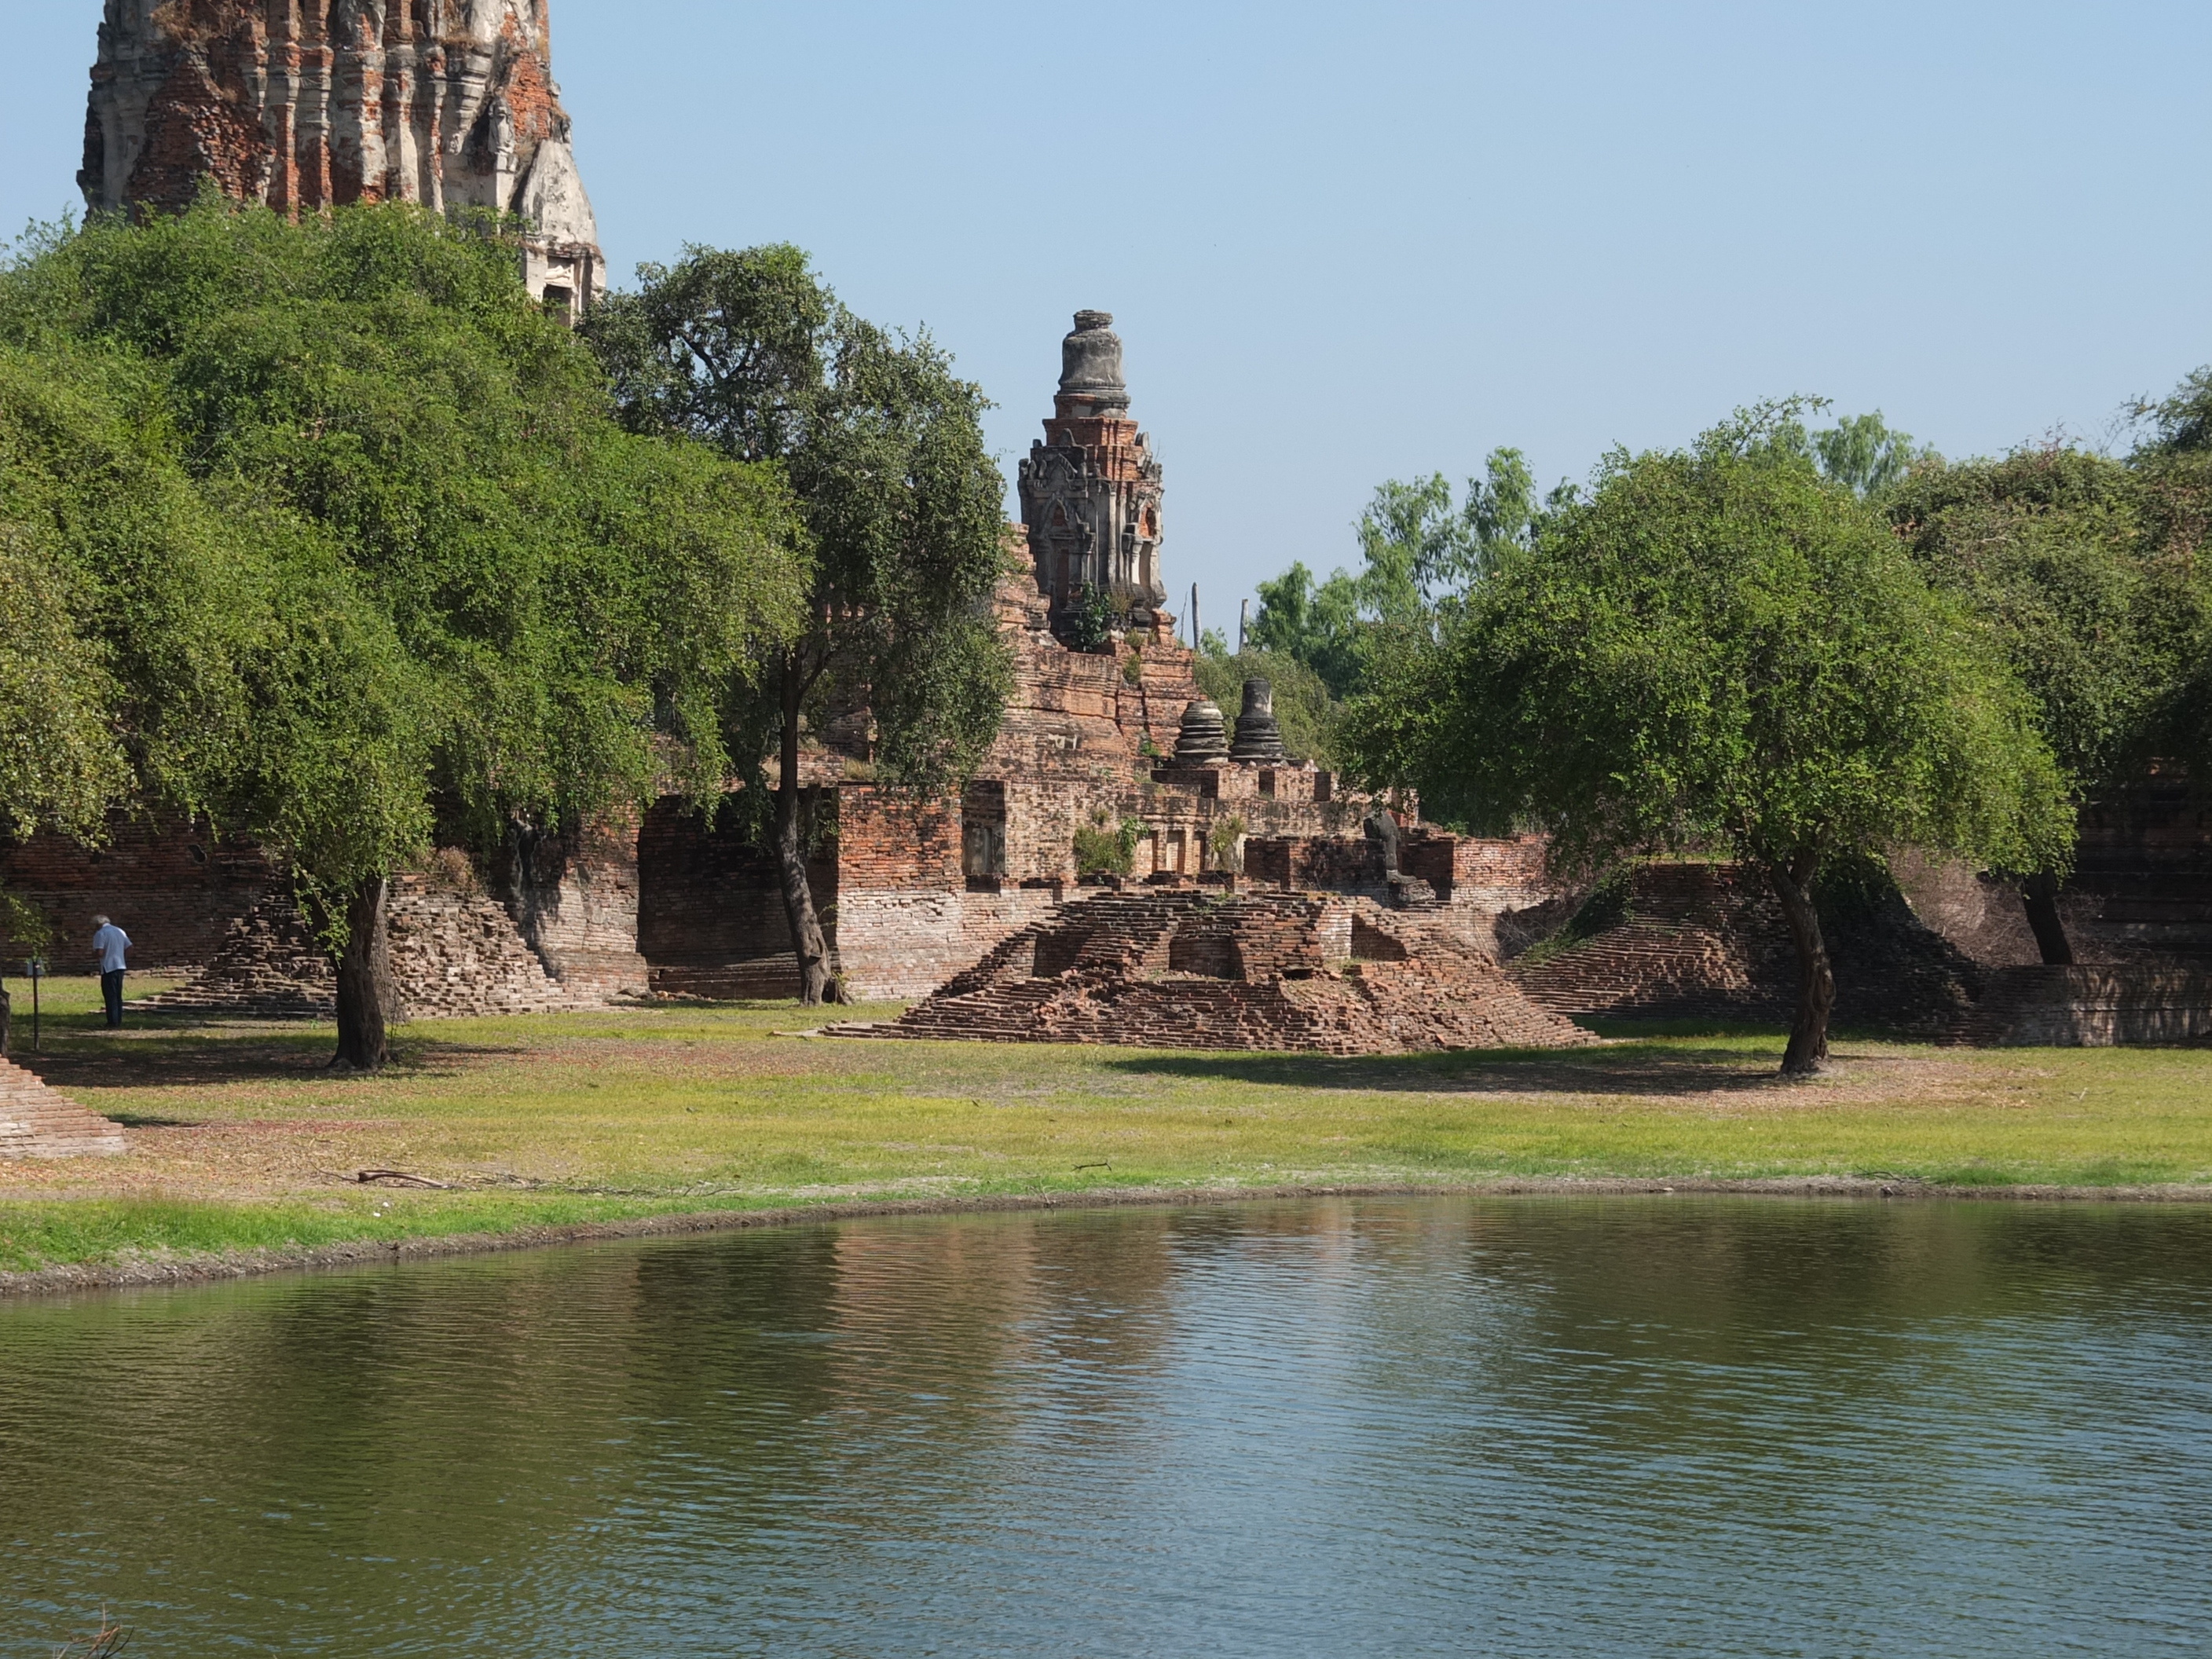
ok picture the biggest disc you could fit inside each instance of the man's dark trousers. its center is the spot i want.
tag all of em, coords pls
(110, 988)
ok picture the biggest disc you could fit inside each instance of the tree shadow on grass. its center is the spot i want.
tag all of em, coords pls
(186, 1062)
(1679, 1067)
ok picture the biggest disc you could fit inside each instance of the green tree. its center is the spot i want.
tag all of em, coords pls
(362, 549)
(2056, 551)
(1863, 454)
(2180, 423)
(1719, 648)
(1419, 553)
(883, 448)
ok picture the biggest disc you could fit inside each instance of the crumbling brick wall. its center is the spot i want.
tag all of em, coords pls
(711, 919)
(174, 888)
(573, 893)
(456, 953)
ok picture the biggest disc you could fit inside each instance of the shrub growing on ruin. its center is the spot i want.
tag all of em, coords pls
(1104, 848)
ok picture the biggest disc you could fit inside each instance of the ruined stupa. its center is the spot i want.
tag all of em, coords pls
(1205, 735)
(1259, 738)
(307, 104)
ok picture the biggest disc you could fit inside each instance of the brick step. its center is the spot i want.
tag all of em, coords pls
(39, 1122)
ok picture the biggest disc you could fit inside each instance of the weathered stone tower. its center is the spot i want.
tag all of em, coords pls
(1091, 489)
(304, 104)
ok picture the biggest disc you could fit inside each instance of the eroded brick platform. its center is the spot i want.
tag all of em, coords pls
(36, 1122)
(1190, 967)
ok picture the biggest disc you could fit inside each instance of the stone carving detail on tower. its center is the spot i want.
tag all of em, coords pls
(1091, 489)
(306, 104)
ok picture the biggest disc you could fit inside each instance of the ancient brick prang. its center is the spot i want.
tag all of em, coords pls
(1091, 489)
(1192, 968)
(36, 1122)
(306, 104)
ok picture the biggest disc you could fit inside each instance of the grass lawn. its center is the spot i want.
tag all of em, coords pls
(241, 1140)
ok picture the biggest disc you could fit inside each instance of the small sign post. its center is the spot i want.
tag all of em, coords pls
(36, 970)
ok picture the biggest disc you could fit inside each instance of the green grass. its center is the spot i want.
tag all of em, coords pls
(242, 1139)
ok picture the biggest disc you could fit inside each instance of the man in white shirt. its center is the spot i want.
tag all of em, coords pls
(109, 944)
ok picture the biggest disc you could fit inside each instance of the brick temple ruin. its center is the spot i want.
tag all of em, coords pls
(1116, 736)
(301, 104)
(1374, 963)
(307, 104)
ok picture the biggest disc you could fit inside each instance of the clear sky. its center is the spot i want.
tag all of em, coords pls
(1346, 243)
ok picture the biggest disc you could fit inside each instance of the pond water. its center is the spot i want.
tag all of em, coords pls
(1534, 1426)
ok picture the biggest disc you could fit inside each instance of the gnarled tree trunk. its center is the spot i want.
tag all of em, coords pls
(2040, 895)
(816, 984)
(366, 993)
(1807, 1052)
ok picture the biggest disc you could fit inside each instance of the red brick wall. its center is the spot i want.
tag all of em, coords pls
(710, 906)
(175, 888)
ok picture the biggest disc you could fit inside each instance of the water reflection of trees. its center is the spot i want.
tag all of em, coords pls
(538, 1441)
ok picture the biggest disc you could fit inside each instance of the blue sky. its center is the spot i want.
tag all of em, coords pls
(1348, 243)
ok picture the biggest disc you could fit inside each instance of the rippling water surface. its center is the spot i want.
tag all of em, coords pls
(1435, 1426)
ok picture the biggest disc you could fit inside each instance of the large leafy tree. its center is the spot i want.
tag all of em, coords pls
(1719, 649)
(350, 529)
(2095, 595)
(883, 448)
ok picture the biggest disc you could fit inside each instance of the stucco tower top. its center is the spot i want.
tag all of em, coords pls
(1090, 382)
(1091, 490)
(307, 104)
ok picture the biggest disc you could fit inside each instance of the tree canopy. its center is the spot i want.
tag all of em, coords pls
(884, 447)
(2089, 572)
(339, 531)
(1721, 649)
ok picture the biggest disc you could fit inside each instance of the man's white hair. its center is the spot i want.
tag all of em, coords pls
(100, 921)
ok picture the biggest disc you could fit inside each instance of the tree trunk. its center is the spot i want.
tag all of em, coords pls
(366, 993)
(1807, 1052)
(816, 984)
(7, 1017)
(2040, 893)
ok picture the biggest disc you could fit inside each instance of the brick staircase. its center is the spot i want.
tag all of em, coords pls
(36, 1122)
(1699, 941)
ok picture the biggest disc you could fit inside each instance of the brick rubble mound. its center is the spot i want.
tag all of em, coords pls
(36, 1122)
(454, 955)
(1708, 941)
(1178, 968)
